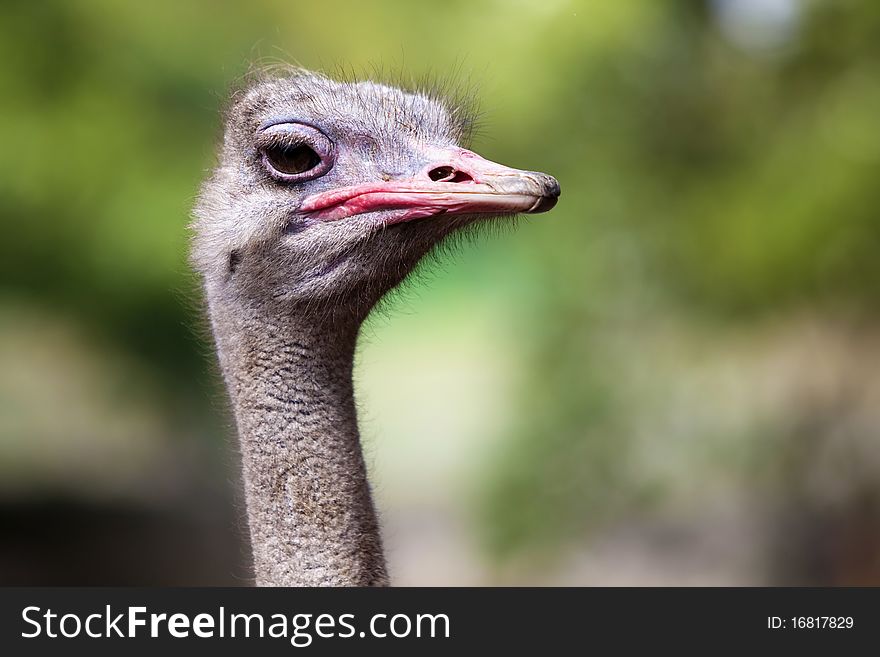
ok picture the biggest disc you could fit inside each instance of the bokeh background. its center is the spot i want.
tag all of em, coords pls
(670, 379)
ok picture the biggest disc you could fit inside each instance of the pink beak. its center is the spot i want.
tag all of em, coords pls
(457, 182)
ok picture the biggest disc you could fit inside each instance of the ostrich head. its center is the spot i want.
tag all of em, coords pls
(328, 193)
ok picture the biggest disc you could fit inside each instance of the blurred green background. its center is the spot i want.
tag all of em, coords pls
(670, 379)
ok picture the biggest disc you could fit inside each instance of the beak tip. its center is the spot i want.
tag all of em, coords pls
(543, 204)
(549, 197)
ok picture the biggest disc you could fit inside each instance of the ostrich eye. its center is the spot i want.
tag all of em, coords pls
(295, 152)
(292, 160)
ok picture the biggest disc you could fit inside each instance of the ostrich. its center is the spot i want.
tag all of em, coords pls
(325, 196)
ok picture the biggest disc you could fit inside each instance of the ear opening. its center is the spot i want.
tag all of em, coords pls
(234, 259)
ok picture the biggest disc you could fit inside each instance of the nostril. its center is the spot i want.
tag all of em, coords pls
(449, 174)
(441, 173)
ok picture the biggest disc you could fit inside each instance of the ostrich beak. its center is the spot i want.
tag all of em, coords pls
(456, 181)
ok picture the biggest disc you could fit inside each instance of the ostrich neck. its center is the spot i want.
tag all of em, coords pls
(310, 513)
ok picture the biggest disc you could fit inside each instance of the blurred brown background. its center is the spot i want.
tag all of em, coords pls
(670, 379)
